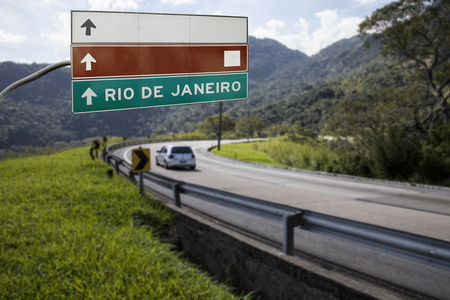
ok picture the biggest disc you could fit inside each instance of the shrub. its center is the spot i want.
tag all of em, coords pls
(397, 155)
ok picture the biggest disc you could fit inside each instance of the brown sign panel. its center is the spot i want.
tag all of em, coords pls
(133, 60)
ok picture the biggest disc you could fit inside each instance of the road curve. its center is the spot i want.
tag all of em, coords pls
(419, 210)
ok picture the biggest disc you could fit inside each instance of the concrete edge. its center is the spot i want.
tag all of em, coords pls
(253, 266)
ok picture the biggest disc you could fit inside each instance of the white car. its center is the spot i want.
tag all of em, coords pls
(175, 156)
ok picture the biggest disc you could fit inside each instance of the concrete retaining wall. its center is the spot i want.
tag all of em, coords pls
(252, 266)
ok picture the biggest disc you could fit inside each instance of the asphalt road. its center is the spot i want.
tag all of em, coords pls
(419, 210)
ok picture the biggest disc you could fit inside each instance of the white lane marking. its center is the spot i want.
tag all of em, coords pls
(125, 155)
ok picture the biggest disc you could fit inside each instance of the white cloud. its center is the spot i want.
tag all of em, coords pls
(270, 30)
(10, 38)
(54, 43)
(34, 29)
(177, 2)
(365, 2)
(126, 4)
(100, 4)
(371, 2)
(332, 28)
(61, 35)
(348, 27)
(113, 4)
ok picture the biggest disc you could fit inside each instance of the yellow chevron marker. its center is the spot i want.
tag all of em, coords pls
(140, 160)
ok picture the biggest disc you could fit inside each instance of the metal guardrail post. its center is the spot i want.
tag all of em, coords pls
(141, 183)
(118, 163)
(289, 223)
(176, 194)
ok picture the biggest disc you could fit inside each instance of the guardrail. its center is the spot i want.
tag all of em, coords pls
(425, 249)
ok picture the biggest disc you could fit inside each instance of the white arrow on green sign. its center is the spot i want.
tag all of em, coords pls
(98, 95)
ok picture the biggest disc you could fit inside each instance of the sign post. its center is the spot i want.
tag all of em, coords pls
(95, 146)
(140, 162)
(123, 61)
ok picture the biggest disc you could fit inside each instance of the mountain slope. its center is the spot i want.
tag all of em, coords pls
(39, 113)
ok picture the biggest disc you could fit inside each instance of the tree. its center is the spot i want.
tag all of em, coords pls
(249, 126)
(278, 129)
(420, 31)
(211, 124)
(379, 135)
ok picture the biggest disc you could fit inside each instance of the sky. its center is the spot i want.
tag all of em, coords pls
(39, 30)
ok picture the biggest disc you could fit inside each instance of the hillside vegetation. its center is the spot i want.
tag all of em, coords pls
(389, 115)
(280, 80)
(67, 231)
(383, 95)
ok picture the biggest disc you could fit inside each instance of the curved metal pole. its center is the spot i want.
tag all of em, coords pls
(32, 77)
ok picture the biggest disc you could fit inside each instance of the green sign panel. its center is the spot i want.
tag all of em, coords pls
(97, 95)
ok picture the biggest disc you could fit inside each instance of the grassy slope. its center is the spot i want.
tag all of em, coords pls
(251, 152)
(69, 232)
(278, 152)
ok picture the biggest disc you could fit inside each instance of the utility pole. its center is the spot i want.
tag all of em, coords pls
(220, 127)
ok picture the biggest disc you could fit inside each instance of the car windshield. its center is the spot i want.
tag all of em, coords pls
(177, 150)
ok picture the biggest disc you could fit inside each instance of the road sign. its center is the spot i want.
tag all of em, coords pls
(133, 28)
(142, 92)
(140, 160)
(126, 61)
(88, 25)
(96, 144)
(90, 61)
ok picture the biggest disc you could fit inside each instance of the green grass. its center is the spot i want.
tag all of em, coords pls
(69, 232)
(307, 155)
(281, 152)
(250, 152)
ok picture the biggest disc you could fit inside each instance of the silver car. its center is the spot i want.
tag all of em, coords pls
(175, 156)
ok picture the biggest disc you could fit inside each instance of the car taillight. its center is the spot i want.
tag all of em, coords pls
(170, 156)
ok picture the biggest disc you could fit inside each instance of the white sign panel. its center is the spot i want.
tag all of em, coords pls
(104, 27)
(215, 29)
(163, 28)
(114, 27)
(232, 58)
